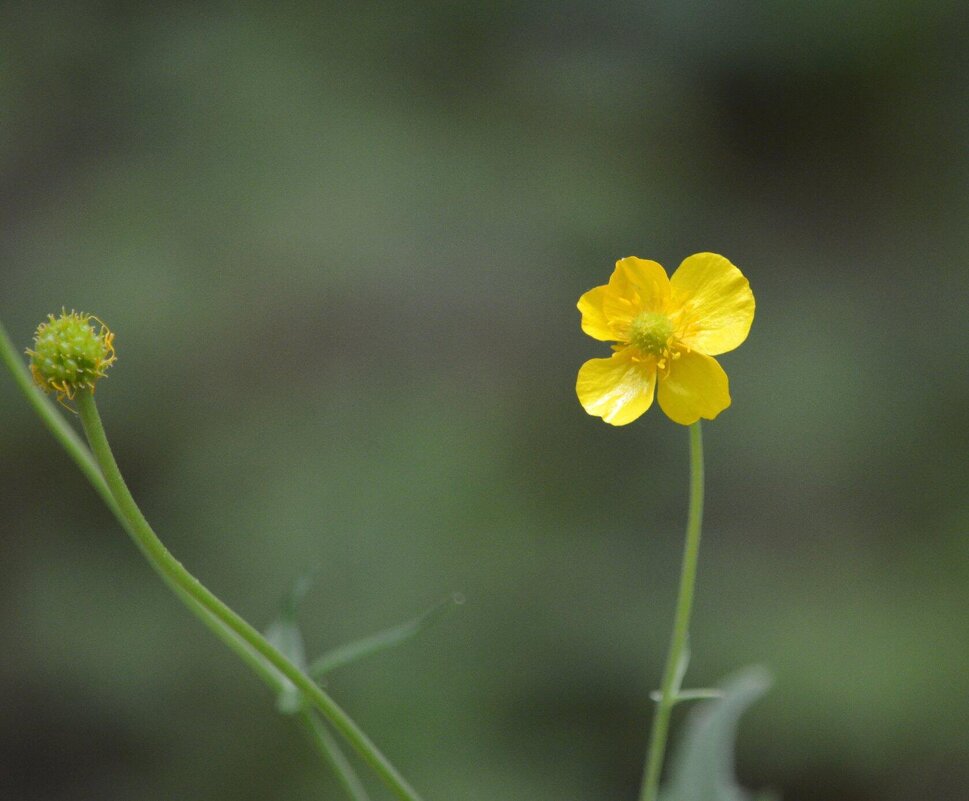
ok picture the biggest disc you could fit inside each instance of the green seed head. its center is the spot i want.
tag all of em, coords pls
(70, 354)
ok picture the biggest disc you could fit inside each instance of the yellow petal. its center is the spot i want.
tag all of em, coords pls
(636, 285)
(594, 321)
(713, 303)
(696, 387)
(617, 389)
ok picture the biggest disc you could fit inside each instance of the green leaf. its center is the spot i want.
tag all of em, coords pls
(702, 765)
(284, 633)
(388, 638)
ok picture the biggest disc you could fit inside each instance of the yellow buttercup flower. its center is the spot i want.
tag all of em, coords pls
(667, 331)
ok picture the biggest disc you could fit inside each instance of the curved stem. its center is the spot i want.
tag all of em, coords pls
(206, 605)
(676, 658)
(316, 730)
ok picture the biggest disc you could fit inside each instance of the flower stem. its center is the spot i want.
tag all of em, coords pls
(330, 750)
(676, 659)
(211, 610)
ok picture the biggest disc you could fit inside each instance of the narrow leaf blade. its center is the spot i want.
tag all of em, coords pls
(284, 633)
(388, 638)
(702, 765)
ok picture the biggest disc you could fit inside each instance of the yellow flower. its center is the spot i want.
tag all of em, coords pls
(667, 330)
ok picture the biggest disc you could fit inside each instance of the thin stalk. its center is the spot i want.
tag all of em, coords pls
(205, 604)
(330, 750)
(675, 660)
(323, 742)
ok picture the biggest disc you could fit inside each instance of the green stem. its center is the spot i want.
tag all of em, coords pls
(206, 605)
(330, 750)
(675, 660)
(315, 729)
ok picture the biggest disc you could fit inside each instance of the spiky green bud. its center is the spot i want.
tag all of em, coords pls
(69, 354)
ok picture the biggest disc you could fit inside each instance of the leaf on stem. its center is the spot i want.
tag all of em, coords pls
(702, 764)
(388, 638)
(285, 635)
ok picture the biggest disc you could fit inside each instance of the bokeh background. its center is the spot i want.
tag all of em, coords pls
(341, 246)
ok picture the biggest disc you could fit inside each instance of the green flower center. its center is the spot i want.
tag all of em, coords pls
(651, 332)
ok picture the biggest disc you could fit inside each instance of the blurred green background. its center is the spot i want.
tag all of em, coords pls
(341, 246)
